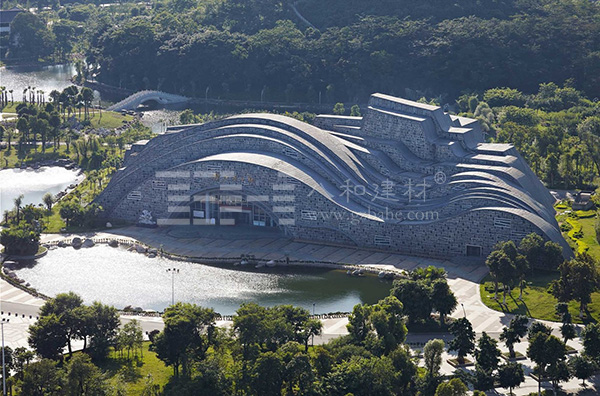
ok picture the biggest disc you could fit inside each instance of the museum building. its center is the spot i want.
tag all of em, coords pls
(405, 177)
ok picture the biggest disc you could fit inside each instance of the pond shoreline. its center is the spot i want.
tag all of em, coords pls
(296, 277)
(226, 262)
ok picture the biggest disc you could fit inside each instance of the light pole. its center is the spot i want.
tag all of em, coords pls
(464, 312)
(3, 362)
(173, 271)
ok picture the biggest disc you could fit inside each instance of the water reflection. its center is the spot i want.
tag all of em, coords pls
(33, 184)
(45, 78)
(118, 277)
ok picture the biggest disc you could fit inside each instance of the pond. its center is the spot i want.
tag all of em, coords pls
(46, 78)
(118, 277)
(33, 184)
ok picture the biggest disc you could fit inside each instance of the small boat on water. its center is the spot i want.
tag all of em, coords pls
(381, 275)
(259, 265)
(244, 262)
(271, 263)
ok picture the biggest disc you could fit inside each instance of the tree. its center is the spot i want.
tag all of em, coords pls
(454, 387)
(29, 37)
(514, 332)
(69, 211)
(487, 353)
(48, 200)
(20, 239)
(443, 299)
(355, 111)
(415, 297)
(18, 201)
(267, 375)
(387, 319)
(189, 332)
(511, 375)
(591, 341)
(41, 379)
(84, 378)
(131, 337)
(548, 353)
(103, 329)
(432, 354)
(339, 109)
(21, 359)
(48, 337)
(464, 338)
(494, 262)
(359, 325)
(63, 307)
(582, 367)
(405, 368)
(579, 278)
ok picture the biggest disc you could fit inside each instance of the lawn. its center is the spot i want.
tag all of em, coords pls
(580, 221)
(136, 373)
(537, 302)
(104, 119)
(12, 159)
(107, 119)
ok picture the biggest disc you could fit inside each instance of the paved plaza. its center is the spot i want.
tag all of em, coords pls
(21, 308)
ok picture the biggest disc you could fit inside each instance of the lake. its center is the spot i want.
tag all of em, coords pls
(118, 277)
(33, 184)
(46, 78)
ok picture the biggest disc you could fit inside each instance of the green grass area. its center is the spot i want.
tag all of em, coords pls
(589, 236)
(537, 302)
(106, 119)
(10, 108)
(136, 372)
(12, 158)
(582, 235)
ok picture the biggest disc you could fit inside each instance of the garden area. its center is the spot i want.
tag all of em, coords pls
(136, 374)
(525, 280)
(537, 302)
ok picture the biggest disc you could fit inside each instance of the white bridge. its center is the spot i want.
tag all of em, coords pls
(138, 98)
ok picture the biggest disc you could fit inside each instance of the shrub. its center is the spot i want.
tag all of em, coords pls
(21, 239)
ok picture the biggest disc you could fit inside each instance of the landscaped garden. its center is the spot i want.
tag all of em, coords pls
(537, 302)
(543, 284)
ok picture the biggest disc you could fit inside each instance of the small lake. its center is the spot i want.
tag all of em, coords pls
(120, 278)
(46, 78)
(33, 184)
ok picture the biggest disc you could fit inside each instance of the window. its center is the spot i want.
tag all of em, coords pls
(502, 223)
(473, 251)
(383, 240)
(309, 215)
(134, 195)
(159, 185)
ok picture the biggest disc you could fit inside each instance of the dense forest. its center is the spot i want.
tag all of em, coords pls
(529, 70)
(275, 50)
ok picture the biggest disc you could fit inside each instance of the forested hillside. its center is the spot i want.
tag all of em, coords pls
(249, 48)
(529, 70)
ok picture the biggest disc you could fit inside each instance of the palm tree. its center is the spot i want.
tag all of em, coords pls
(87, 96)
(18, 202)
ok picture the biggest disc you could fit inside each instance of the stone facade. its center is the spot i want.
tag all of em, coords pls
(406, 177)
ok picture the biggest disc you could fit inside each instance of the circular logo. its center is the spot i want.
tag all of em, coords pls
(440, 177)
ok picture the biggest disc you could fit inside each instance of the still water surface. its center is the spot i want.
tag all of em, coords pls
(33, 184)
(45, 78)
(120, 278)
